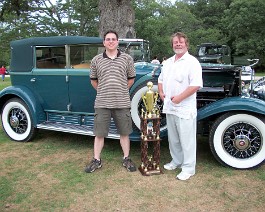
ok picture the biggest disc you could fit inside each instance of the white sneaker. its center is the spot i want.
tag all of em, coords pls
(184, 176)
(170, 166)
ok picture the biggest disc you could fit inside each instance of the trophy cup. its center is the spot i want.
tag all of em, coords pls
(149, 100)
(150, 133)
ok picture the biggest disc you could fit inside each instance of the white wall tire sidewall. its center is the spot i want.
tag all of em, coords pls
(227, 158)
(15, 136)
(135, 101)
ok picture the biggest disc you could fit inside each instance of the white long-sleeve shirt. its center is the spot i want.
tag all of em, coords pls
(175, 77)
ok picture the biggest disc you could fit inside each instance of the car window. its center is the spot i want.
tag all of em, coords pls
(81, 55)
(50, 57)
(202, 51)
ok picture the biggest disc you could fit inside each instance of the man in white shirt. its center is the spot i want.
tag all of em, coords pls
(180, 79)
(155, 60)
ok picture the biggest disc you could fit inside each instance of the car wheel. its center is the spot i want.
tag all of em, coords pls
(17, 121)
(237, 140)
(137, 105)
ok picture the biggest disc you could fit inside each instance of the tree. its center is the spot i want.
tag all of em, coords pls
(117, 15)
(210, 12)
(156, 22)
(245, 26)
(13, 6)
(33, 18)
(86, 17)
(238, 23)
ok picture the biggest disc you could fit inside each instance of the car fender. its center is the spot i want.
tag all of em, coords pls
(145, 72)
(252, 105)
(144, 78)
(22, 92)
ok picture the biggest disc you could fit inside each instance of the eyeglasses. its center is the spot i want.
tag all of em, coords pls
(110, 39)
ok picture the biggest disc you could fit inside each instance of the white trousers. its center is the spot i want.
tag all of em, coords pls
(182, 142)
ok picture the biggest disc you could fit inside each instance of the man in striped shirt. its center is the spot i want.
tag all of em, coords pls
(112, 74)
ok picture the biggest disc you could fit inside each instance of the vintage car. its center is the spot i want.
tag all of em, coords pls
(51, 90)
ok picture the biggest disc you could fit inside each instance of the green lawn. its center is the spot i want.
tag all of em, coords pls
(260, 74)
(47, 175)
(5, 83)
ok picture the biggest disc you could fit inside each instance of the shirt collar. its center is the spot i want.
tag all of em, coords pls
(106, 56)
(183, 56)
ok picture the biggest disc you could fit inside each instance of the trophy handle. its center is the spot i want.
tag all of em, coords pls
(155, 99)
(144, 100)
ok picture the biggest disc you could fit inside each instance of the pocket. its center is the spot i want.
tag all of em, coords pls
(129, 119)
(173, 104)
(179, 78)
(127, 116)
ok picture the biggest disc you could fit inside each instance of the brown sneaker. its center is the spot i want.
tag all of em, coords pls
(128, 164)
(93, 165)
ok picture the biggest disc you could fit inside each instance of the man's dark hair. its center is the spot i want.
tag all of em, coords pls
(111, 31)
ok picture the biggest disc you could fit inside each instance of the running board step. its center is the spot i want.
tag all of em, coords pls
(75, 129)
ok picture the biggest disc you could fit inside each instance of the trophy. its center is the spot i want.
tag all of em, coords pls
(150, 133)
(149, 100)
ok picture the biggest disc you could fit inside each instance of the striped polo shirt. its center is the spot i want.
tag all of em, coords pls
(112, 76)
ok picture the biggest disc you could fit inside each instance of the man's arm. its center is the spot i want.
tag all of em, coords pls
(186, 93)
(130, 82)
(160, 91)
(94, 83)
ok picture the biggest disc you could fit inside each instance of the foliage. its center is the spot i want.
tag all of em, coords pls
(247, 30)
(238, 23)
(156, 22)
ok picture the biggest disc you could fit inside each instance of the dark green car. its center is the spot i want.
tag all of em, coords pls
(51, 90)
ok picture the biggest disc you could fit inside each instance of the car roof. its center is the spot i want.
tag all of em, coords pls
(22, 50)
(55, 40)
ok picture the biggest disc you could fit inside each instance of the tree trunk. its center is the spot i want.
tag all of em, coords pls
(117, 15)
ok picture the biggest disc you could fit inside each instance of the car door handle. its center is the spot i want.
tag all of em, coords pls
(33, 80)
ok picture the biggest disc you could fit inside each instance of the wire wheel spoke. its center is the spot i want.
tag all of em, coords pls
(242, 140)
(18, 120)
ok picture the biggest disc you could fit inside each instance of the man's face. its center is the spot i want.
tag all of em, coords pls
(111, 42)
(179, 45)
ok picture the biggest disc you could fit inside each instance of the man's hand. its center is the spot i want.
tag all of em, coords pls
(176, 99)
(185, 94)
(162, 96)
(94, 83)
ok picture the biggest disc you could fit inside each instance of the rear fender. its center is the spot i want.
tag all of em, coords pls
(22, 92)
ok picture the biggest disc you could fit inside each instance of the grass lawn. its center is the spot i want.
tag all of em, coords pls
(47, 175)
(260, 74)
(5, 83)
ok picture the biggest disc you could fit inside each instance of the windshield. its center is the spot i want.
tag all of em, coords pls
(138, 49)
(210, 50)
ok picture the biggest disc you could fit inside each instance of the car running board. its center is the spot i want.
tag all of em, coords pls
(76, 129)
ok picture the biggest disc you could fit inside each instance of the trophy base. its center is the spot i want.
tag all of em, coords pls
(149, 172)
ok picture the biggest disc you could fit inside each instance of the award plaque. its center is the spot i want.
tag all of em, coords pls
(150, 134)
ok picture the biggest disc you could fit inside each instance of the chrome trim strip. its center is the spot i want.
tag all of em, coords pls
(74, 130)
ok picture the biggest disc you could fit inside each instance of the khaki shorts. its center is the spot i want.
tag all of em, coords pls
(121, 117)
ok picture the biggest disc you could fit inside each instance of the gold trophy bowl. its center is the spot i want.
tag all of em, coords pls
(150, 99)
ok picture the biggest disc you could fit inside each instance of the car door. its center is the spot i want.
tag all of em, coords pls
(81, 93)
(49, 78)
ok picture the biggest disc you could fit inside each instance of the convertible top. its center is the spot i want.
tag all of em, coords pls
(22, 50)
